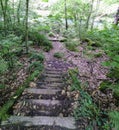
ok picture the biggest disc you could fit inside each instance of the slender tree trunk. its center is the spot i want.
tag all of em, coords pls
(66, 21)
(18, 12)
(116, 20)
(13, 14)
(89, 16)
(26, 32)
(4, 8)
(96, 11)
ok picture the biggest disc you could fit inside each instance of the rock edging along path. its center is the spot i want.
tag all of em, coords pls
(44, 105)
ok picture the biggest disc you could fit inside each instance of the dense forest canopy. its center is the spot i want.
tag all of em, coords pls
(85, 31)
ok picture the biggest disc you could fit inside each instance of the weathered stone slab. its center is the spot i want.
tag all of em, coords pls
(42, 91)
(65, 122)
(53, 72)
(50, 84)
(48, 79)
(44, 102)
(53, 76)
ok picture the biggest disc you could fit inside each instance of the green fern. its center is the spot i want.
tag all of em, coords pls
(37, 56)
(114, 118)
(3, 66)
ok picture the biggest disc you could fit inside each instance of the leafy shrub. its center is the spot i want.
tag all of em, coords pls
(86, 108)
(58, 55)
(97, 55)
(114, 117)
(40, 40)
(10, 49)
(2, 86)
(37, 56)
(37, 65)
(3, 66)
(72, 44)
(51, 34)
(104, 85)
(109, 39)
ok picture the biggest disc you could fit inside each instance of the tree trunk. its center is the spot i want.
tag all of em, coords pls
(18, 10)
(26, 32)
(66, 21)
(116, 20)
(96, 11)
(13, 14)
(89, 16)
(4, 10)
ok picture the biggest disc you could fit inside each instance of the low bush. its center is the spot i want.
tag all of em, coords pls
(40, 40)
(58, 55)
(72, 44)
(37, 57)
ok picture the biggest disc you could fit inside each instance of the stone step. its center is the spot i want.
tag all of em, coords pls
(53, 76)
(53, 69)
(57, 80)
(49, 87)
(68, 123)
(53, 72)
(50, 84)
(42, 91)
(43, 102)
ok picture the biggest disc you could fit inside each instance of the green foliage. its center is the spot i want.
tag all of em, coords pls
(3, 65)
(37, 65)
(40, 40)
(10, 49)
(76, 85)
(72, 44)
(58, 55)
(4, 110)
(37, 56)
(51, 34)
(86, 108)
(104, 85)
(114, 72)
(97, 55)
(114, 117)
(2, 86)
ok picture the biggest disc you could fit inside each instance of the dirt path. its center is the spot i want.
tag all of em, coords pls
(90, 70)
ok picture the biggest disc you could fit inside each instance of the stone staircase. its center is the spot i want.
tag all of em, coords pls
(44, 106)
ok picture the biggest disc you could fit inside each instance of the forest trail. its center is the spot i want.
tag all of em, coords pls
(45, 105)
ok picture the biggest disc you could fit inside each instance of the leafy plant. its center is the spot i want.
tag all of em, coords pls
(72, 44)
(37, 65)
(58, 55)
(37, 56)
(86, 108)
(114, 118)
(40, 40)
(3, 65)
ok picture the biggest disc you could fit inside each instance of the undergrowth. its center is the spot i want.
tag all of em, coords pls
(72, 44)
(33, 71)
(58, 55)
(109, 40)
(40, 39)
(86, 108)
